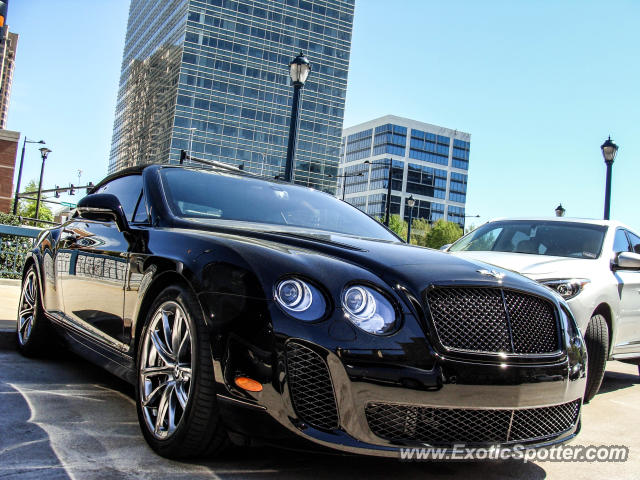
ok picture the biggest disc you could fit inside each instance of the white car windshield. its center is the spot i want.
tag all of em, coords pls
(552, 238)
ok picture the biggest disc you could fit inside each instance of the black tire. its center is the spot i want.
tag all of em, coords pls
(32, 327)
(597, 340)
(199, 431)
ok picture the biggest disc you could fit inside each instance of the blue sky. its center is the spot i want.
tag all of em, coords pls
(539, 85)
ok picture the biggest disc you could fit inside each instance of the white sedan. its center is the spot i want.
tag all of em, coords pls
(593, 264)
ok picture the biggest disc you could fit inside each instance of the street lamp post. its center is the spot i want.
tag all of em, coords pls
(387, 207)
(609, 151)
(299, 70)
(344, 179)
(410, 203)
(560, 211)
(24, 144)
(44, 152)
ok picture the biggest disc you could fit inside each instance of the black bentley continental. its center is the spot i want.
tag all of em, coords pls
(249, 311)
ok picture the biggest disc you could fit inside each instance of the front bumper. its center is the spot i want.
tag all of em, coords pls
(374, 405)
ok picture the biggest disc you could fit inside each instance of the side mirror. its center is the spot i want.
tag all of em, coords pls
(444, 248)
(628, 260)
(103, 207)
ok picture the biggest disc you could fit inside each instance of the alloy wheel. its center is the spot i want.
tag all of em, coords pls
(165, 371)
(27, 309)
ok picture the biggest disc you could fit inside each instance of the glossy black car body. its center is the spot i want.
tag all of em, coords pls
(327, 381)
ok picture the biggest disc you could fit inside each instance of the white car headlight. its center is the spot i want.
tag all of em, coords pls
(300, 299)
(369, 310)
(567, 288)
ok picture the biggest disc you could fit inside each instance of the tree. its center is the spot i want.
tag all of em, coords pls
(27, 207)
(399, 226)
(442, 233)
(420, 228)
(14, 248)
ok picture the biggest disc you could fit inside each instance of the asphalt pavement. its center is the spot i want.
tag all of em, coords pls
(61, 417)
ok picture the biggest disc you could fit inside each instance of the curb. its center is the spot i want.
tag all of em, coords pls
(10, 281)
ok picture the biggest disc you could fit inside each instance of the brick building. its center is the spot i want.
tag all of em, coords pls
(8, 149)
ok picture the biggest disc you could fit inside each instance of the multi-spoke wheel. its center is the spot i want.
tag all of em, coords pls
(165, 369)
(31, 324)
(175, 393)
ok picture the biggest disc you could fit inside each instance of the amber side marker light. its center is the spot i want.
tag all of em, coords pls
(248, 384)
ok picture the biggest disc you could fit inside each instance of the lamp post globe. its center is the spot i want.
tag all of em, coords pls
(560, 211)
(609, 152)
(299, 69)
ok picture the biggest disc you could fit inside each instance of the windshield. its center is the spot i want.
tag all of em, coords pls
(561, 239)
(219, 196)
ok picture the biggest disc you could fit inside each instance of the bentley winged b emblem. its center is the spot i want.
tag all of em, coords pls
(492, 273)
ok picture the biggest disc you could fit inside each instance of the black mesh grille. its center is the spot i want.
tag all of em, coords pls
(533, 324)
(492, 320)
(448, 426)
(311, 387)
(536, 422)
(470, 319)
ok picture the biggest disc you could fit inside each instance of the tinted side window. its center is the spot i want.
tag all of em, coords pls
(141, 215)
(635, 242)
(127, 189)
(620, 242)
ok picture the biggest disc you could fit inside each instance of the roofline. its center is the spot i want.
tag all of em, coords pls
(590, 221)
(219, 167)
(409, 123)
(120, 173)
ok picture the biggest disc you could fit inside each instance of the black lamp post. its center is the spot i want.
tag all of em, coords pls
(609, 151)
(299, 70)
(344, 179)
(44, 152)
(387, 207)
(24, 144)
(410, 203)
(560, 211)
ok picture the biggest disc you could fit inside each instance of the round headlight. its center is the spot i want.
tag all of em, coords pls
(294, 295)
(369, 310)
(300, 299)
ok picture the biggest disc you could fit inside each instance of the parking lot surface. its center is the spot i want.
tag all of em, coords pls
(63, 418)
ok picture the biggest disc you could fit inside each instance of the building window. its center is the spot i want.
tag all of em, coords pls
(460, 157)
(380, 175)
(358, 145)
(427, 181)
(390, 139)
(458, 187)
(456, 215)
(431, 211)
(378, 204)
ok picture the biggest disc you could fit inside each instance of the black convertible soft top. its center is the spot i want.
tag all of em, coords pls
(121, 173)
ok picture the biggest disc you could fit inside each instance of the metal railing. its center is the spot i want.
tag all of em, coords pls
(15, 243)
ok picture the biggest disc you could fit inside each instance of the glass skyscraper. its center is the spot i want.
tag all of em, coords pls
(211, 77)
(428, 162)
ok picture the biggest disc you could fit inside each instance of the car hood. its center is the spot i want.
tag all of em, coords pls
(533, 266)
(398, 264)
